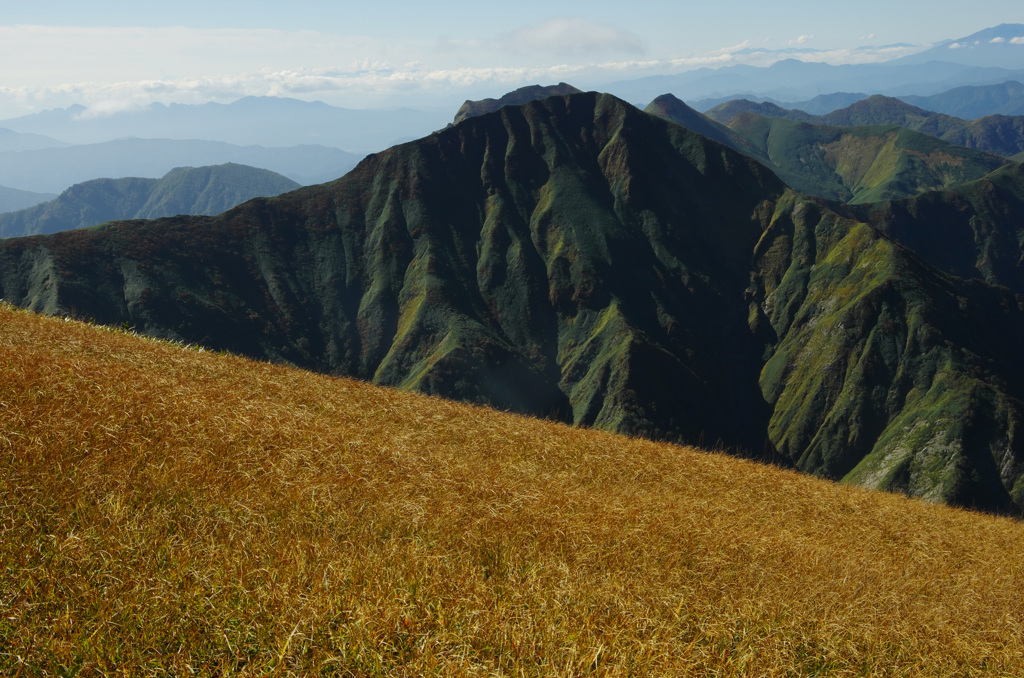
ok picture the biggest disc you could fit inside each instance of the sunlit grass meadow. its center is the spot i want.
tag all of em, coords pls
(168, 511)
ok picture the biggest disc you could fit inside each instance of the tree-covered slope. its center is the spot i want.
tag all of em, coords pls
(184, 190)
(576, 258)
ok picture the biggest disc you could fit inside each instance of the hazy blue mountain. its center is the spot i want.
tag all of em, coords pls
(989, 47)
(12, 199)
(267, 121)
(19, 141)
(988, 57)
(973, 102)
(792, 80)
(183, 190)
(54, 169)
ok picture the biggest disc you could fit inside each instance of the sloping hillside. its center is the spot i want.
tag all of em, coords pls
(184, 190)
(169, 510)
(578, 259)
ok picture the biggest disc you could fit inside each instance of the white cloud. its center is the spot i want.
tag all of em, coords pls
(801, 40)
(118, 69)
(955, 45)
(1017, 41)
(571, 36)
(997, 40)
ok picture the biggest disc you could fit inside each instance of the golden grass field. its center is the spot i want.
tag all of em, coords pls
(169, 511)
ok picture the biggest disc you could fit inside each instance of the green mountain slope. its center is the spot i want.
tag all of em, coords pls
(185, 190)
(974, 231)
(670, 108)
(726, 111)
(579, 259)
(861, 164)
(885, 372)
(999, 134)
(848, 164)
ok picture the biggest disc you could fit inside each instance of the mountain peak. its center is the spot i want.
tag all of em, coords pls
(514, 98)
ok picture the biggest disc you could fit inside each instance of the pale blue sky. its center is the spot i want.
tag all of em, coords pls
(117, 53)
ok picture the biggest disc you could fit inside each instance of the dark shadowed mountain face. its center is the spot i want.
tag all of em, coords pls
(184, 190)
(579, 259)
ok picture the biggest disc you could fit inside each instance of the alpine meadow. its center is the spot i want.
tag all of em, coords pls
(171, 510)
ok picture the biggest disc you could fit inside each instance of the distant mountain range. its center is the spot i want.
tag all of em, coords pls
(579, 259)
(989, 57)
(18, 141)
(969, 102)
(51, 170)
(184, 190)
(1001, 45)
(264, 121)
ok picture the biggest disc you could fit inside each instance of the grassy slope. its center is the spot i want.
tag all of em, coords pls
(167, 508)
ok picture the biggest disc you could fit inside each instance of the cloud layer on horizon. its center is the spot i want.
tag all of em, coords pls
(115, 69)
